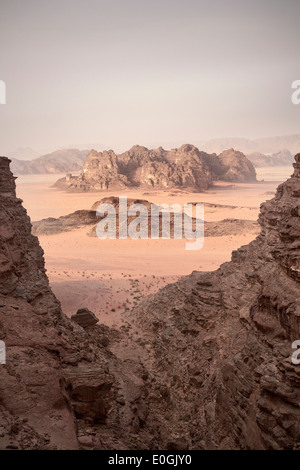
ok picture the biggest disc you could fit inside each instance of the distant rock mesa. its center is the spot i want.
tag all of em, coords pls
(185, 167)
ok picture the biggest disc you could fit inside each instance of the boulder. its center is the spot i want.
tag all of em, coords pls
(85, 318)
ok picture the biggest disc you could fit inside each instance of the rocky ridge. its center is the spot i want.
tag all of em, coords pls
(60, 161)
(185, 167)
(235, 386)
(266, 145)
(281, 158)
(210, 364)
(61, 387)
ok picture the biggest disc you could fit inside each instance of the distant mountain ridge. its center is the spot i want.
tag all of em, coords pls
(23, 153)
(267, 145)
(282, 158)
(60, 161)
(26, 161)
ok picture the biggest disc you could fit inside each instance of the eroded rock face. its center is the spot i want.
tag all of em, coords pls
(280, 220)
(235, 166)
(221, 341)
(209, 366)
(185, 167)
(30, 389)
(59, 379)
(22, 270)
(85, 318)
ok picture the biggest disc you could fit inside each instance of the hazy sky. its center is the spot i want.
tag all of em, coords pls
(122, 72)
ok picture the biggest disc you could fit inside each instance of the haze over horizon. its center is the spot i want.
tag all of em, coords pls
(126, 72)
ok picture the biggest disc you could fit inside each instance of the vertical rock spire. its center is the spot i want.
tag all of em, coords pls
(7, 180)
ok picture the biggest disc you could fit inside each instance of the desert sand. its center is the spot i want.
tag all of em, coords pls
(110, 276)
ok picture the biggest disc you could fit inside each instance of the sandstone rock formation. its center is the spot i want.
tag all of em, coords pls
(186, 167)
(229, 333)
(235, 167)
(61, 386)
(209, 366)
(85, 318)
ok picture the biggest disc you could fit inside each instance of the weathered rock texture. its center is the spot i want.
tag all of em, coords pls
(209, 365)
(221, 341)
(85, 318)
(61, 386)
(185, 167)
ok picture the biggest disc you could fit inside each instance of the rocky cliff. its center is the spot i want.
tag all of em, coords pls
(61, 387)
(208, 366)
(185, 167)
(221, 341)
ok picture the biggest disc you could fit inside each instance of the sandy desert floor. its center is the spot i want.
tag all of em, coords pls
(111, 276)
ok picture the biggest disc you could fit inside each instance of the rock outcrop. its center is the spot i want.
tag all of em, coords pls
(22, 270)
(234, 166)
(61, 386)
(85, 318)
(185, 167)
(229, 332)
(209, 365)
